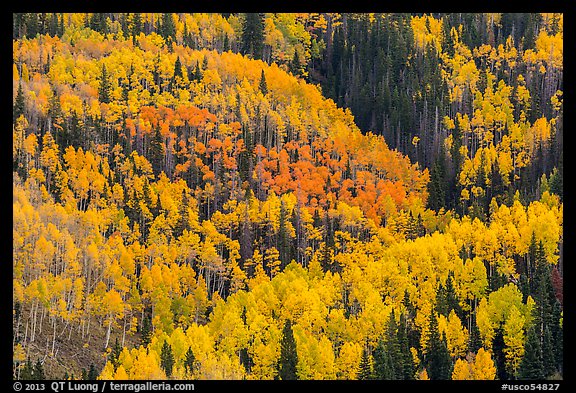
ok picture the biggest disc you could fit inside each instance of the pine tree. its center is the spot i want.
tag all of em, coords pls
(19, 104)
(168, 29)
(105, 86)
(383, 368)
(177, 72)
(532, 366)
(295, 64)
(156, 151)
(437, 185)
(190, 361)
(548, 353)
(388, 358)
(365, 369)
(437, 358)
(145, 331)
(167, 359)
(408, 366)
(253, 35)
(115, 354)
(246, 359)
(288, 353)
(475, 341)
(136, 24)
(263, 85)
(498, 346)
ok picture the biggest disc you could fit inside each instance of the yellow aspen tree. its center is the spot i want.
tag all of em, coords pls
(462, 370)
(456, 335)
(514, 340)
(485, 325)
(348, 360)
(484, 367)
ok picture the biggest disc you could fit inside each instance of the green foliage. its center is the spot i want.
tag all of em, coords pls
(288, 354)
(167, 359)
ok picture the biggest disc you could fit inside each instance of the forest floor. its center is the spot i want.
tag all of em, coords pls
(73, 351)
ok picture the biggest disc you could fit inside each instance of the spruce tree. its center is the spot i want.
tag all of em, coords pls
(253, 35)
(532, 366)
(190, 361)
(408, 366)
(437, 186)
(498, 346)
(156, 151)
(295, 64)
(136, 24)
(167, 359)
(263, 85)
(437, 358)
(475, 341)
(383, 368)
(115, 354)
(177, 72)
(288, 354)
(145, 331)
(19, 105)
(168, 29)
(105, 86)
(365, 368)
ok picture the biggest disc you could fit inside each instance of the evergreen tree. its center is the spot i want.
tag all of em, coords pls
(167, 359)
(548, 353)
(145, 331)
(532, 366)
(246, 359)
(263, 85)
(105, 86)
(19, 104)
(288, 353)
(253, 35)
(168, 29)
(408, 366)
(437, 184)
(437, 358)
(178, 68)
(498, 354)
(156, 151)
(199, 73)
(136, 24)
(383, 368)
(365, 369)
(190, 361)
(475, 341)
(556, 178)
(295, 64)
(388, 358)
(115, 354)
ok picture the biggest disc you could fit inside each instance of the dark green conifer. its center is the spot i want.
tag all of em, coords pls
(288, 353)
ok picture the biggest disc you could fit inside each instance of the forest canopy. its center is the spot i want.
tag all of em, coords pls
(287, 196)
